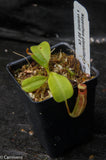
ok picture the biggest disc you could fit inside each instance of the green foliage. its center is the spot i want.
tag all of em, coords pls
(60, 87)
(41, 53)
(32, 83)
(71, 72)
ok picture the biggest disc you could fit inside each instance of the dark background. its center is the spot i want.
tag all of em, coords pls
(37, 20)
(27, 22)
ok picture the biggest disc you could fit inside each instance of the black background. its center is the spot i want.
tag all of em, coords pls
(35, 20)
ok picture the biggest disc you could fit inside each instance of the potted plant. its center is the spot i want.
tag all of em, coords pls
(59, 96)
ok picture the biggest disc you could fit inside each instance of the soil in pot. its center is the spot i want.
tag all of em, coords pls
(61, 63)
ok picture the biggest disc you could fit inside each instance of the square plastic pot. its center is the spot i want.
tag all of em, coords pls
(55, 129)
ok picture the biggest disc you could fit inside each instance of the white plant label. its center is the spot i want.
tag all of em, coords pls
(82, 36)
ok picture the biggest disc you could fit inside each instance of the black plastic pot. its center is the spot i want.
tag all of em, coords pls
(56, 130)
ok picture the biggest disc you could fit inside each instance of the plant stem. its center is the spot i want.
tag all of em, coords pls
(47, 69)
(68, 109)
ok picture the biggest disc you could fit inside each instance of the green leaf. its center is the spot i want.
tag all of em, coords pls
(32, 83)
(71, 72)
(41, 53)
(60, 87)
